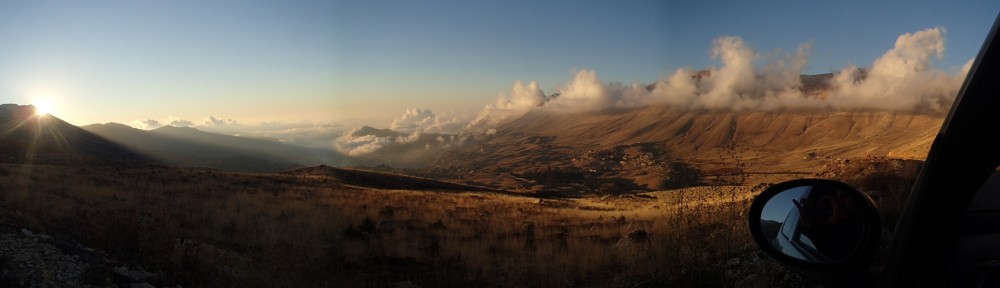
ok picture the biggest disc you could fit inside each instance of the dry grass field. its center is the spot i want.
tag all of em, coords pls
(209, 228)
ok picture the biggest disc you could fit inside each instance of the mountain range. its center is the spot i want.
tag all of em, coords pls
(25, 135)
(186, 146)
(46, 138)
(646, 148)
(655, 147)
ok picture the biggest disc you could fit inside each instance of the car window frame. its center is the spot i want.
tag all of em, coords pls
(961, 158)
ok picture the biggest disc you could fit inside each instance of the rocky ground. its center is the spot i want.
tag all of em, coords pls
(28, 259)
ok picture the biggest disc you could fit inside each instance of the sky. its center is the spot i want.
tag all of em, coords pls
(777, 208)
(325, 62)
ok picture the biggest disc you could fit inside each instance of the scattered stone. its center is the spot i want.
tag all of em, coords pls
(134, 275)
(405, 284)
(38, 260)
(752, 281)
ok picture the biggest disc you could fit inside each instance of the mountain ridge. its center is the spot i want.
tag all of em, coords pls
(187, 146)
(23, 134)
(659, 147)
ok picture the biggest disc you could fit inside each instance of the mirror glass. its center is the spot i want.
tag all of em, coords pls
(820, 224)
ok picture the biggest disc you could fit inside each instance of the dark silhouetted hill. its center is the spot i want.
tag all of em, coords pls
(26, 135)
(185, 146)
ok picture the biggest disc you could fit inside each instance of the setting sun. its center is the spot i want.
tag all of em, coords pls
(43, 107)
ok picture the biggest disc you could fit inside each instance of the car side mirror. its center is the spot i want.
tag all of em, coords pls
(816, 224)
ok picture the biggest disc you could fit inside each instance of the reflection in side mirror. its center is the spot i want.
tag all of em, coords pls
(815, 223)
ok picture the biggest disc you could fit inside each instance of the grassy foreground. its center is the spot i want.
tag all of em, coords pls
(207, 228)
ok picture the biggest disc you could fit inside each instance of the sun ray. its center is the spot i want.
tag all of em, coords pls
(43, 107)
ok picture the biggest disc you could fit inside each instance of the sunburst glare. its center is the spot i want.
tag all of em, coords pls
(43, 107)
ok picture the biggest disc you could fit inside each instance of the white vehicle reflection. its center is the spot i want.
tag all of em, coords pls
(815, 223)
(790, 239)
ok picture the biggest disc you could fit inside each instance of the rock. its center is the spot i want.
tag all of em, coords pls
(142, 285)
(405, 284)
(32, 261)
(134, 275)
(752, 281)
(95, 275)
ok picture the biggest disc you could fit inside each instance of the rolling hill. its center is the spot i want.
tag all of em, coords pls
(184, 146)
(24, 135)
(647, 148)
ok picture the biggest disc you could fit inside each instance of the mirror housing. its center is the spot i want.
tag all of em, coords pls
(816, 224)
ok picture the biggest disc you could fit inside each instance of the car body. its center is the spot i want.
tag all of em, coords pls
(949, 232)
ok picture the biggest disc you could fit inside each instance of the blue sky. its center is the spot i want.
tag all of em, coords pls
(104, 61)
(777, 208)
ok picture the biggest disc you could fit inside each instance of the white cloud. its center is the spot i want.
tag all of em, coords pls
(408, 138)
(901, 79)
(211, 121)
(521, 99)
(146, 124)
(424, 120)
(179, 122)
(360, 145)
(904, 78)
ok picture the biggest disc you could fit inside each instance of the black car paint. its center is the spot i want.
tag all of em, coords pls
(964, 154)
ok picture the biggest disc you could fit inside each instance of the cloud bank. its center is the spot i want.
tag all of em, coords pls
(384, 145)
(902, 79)
(424, 120)
(304, 133)
(522, 98)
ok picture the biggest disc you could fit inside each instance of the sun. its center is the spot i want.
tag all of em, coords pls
(43, 107)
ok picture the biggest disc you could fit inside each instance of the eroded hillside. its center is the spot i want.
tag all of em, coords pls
(660, 147)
